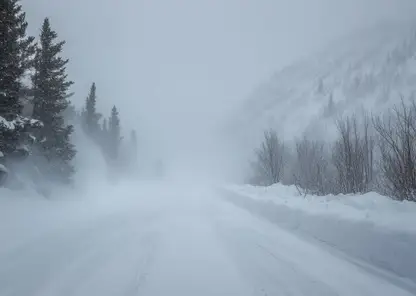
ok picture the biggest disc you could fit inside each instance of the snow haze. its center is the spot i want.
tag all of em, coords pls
(200, 81)
(175, 68)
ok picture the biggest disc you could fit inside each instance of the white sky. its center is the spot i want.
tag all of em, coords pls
(174, 66)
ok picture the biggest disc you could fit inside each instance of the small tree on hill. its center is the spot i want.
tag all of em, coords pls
(268, 165)
(91, 117)
(114, 130)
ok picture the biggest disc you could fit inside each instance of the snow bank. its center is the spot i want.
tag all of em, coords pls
(371, 231)
(370, 207)
(3, 168)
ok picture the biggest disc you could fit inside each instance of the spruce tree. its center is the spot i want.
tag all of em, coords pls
(16, 53)
(91, 117)
(104, 137)
(104, 127)
(330, 107)
(114, 133)
(51, 87)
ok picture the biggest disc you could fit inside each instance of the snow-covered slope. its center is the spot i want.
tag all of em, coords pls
(371, 207)
(368, 69)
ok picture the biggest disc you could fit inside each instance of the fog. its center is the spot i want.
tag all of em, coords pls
(175, 69)
(168, 215)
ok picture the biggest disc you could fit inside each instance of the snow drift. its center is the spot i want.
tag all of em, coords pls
(369, 230)
(370, 207)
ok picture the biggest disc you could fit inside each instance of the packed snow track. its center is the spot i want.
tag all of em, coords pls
(177, 241)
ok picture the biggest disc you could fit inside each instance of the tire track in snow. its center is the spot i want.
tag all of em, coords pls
(150, 242)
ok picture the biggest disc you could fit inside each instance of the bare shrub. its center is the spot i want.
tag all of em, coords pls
(397, 135)
(269, 163)
(311, 174)
(353, 155)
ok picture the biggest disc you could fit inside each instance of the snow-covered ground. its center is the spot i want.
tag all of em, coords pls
(169, 238)
(356, 226)
(371, 207)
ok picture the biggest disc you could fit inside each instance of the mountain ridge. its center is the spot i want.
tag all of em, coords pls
(369, 70)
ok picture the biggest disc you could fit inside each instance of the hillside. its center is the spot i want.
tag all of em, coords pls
(369, 69)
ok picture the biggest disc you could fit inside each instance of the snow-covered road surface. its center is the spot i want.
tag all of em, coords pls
(171, 242)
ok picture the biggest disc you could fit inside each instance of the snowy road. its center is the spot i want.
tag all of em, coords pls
(189, 244)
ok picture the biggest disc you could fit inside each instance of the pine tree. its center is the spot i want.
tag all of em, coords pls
(50, 101)
(16, 52)
(104, 127)
(330, 107)
(104, 136)
(91, 117)
(114, 134)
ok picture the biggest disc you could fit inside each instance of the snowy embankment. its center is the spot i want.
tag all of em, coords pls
(371, 207)
(370, 230)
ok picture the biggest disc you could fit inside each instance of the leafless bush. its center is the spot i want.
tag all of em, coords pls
(353, 155)
(397, 135)
(311, 174)
(269, 165)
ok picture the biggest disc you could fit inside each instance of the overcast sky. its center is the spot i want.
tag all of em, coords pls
(178, 64)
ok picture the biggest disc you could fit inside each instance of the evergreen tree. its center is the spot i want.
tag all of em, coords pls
(70, 113)
(104, 136)
(330, 107)
(50, 101)
(114, 133)
(16, 53)
(91, 117)
(104, 127)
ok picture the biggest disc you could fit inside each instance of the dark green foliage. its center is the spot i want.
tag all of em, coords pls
(43, 141)
(104, 136)
(114, 138)
(50, 79)
(91, 117)
(104, 127)
(16, 52)
(51, 87)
